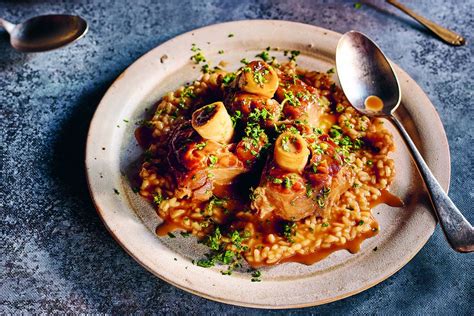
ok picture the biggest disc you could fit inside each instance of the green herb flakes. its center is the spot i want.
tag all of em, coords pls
(201, 145)
(213, 160)
(294, 54)
(265, 56)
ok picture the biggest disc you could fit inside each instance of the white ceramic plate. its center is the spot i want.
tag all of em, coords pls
(112, 155)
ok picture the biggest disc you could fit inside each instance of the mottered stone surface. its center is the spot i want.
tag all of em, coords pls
(56, 255)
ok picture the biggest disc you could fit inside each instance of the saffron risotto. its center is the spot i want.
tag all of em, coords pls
(227, 221)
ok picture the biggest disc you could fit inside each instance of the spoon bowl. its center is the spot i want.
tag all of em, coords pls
(46, 32)
(364, 71)
(368, 79)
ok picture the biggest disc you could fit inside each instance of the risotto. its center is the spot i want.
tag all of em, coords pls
(267, 164)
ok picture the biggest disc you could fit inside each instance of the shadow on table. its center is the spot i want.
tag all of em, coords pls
(10, 57)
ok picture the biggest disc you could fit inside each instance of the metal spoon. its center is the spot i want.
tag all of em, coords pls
(446, 35)
(364, 71)
(46, 32)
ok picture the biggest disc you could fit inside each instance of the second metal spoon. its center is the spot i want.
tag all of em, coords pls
(446, 35)
(45, 32)
(363, 72)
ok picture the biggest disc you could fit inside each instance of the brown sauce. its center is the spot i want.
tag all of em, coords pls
(167, 227)
(373, 103)
(387, 198)
(352, 246)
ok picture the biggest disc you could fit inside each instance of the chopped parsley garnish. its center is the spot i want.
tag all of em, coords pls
(188, 92)
(220, 52)
(289, 231)
(361, 222)
(369, 163)
(228, 78)
(331, 71)
(206, 69)
(277, 181)
(290, 98)
(185, 234)
(335, 131)
(214, 201)
(116, 191)
(358, 143)
(230, 35)
(126, 121)
(256, 275)
(294, 54)
(234, 118)
(256, 115)
(285, 143)
(198, 58)
(287, 182)
(264, 55)
(357, 5)
(309, 190)
(259, 76)
(254, 131)
(322, 197)
(220, 246)
(171, 235)
(325, 224)
(244, 61)
(157, 198)
(201, 145)
(213, 160)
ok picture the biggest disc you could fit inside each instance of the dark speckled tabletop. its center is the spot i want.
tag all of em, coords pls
(56, 255)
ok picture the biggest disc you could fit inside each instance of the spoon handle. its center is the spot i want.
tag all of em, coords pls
(446, 35)
(7, 25)
(458, 231)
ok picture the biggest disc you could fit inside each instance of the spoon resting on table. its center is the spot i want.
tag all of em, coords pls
(448, 36)
(45, 32)
(371, 86)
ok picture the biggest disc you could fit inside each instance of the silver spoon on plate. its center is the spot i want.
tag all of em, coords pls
(371, 86)
(45, 32)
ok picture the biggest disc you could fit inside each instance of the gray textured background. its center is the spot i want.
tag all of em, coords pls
(56, 255)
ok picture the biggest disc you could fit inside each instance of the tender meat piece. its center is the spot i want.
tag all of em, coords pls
(200, 165)
(294, 196)
(300, 101)
(281, 193)
(254, 106)
(248, 149)
(327, 175)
